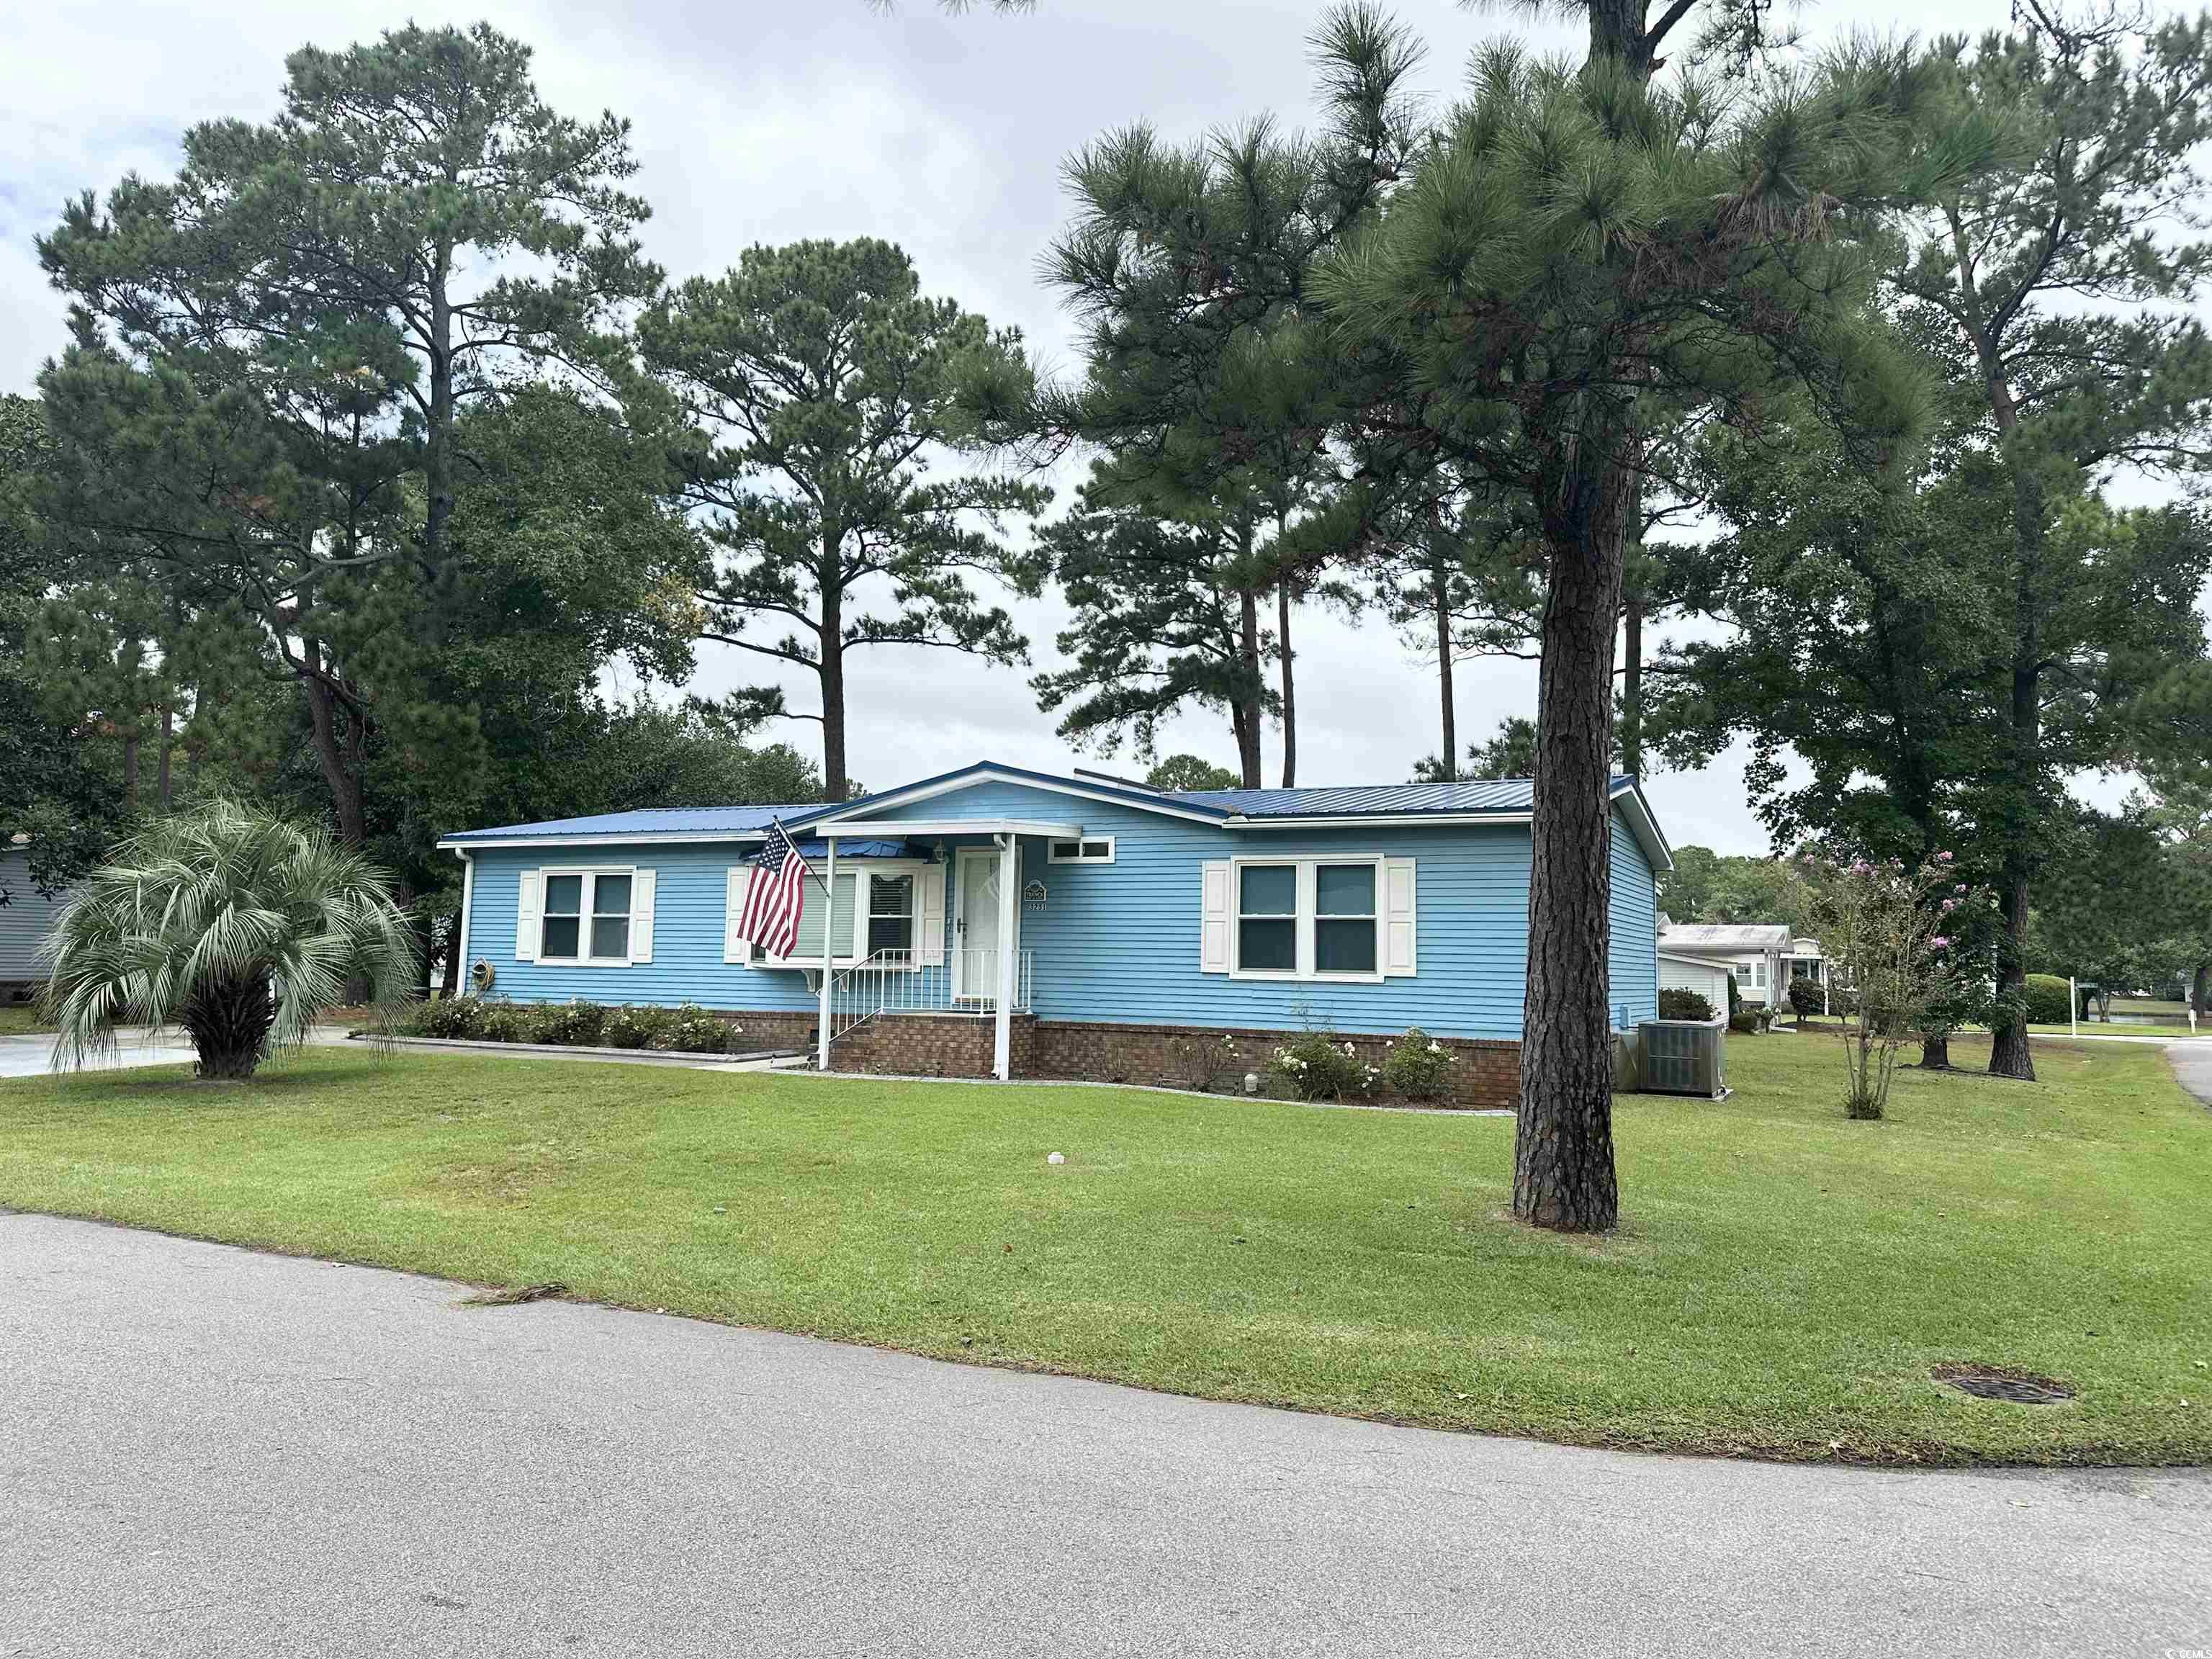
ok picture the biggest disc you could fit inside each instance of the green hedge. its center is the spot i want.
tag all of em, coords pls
(687, 1030)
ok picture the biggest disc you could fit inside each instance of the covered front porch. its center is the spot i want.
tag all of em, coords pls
(962, 956)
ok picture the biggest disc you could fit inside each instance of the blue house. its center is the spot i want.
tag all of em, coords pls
(1004, 922)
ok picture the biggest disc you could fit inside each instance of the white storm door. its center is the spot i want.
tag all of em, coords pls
(975, 932)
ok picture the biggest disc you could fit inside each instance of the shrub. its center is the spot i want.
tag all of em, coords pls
(634, 1027)
(1676, 1003)
(691, 1030)
(1196, 1060)
(2048, 999)
(577, 1023)
(507, 1021)
(1805, 998)
(1744, 1021)
(448, 1016)
(1736, 999)
(1418, 1067)
(1314, 1068)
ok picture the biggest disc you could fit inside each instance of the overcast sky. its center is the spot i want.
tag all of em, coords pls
(771, 120)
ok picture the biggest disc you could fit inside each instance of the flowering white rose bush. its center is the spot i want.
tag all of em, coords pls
(1895, 936)
(1418, 1067)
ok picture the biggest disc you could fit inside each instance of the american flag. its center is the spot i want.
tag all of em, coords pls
(772, 897)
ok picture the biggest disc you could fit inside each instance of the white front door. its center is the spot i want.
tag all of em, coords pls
(975, 929)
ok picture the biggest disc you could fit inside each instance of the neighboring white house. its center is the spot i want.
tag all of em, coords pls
(1706, 975)
(1700, 955)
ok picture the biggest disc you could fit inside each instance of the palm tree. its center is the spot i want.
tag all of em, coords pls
(232, 922)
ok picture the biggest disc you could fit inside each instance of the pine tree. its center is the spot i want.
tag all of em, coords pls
(2066, 280)
(823, 388)
(1577, 253)
(1210, 378)
(274, 351)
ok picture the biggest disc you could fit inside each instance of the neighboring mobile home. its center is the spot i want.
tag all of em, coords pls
(25, 916)
(1000, 921)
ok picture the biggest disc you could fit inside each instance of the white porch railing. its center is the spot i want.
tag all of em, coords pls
(965, 982)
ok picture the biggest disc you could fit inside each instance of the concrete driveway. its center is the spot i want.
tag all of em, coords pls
(31, 1055)
(207, 1451)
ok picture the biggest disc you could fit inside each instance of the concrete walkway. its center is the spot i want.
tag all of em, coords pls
(206, 1451)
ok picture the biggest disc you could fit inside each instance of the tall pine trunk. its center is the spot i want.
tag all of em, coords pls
(169, 742)
(1440, 598)
(1245, 714)
(1563, 1167)
(1290, 694)
(338, 777)
(829, 665)
(2010, 1054)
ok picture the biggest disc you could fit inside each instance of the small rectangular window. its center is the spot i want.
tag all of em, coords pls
(1091, 849)
(1267, 919)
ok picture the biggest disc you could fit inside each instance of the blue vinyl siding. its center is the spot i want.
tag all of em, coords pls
(687, 963)
(1632, 962)
(1120, 941)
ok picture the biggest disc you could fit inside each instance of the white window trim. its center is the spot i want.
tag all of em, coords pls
(586, 897)
(1304, 917)
(1052, 855)
(856, 947)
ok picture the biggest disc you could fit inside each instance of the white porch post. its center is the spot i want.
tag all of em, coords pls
(828, 918)
(1002, 1042)
(460, 944)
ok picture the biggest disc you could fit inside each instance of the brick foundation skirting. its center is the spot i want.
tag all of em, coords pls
(1483, 1073)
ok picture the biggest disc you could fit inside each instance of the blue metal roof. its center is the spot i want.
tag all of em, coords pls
(653, 821)
(1360, 800)
(1502, 796)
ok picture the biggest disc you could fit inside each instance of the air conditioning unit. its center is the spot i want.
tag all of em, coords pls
(1684, 1056)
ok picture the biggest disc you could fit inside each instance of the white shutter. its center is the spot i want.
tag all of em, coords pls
(929, 916)
(733, 908)
(529, 913)
(1397, 917)
(641, 884)
(1213, 917)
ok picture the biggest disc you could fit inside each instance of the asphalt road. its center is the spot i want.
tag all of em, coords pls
(204, 1451)
(2192, 1065)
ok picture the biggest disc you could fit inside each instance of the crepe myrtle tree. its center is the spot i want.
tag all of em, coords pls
(1577, 256)
(1896, 934)
(235, 924)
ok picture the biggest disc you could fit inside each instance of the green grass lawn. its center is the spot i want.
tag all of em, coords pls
(17, 1019)
(1782, 1284)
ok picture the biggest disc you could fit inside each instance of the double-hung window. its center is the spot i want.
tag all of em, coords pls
(586, 916)
(1267, 919)
(890, 914)
(1343, 919)
(1308, 918)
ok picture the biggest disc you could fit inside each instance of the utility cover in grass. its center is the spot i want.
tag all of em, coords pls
(1996, 1383)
